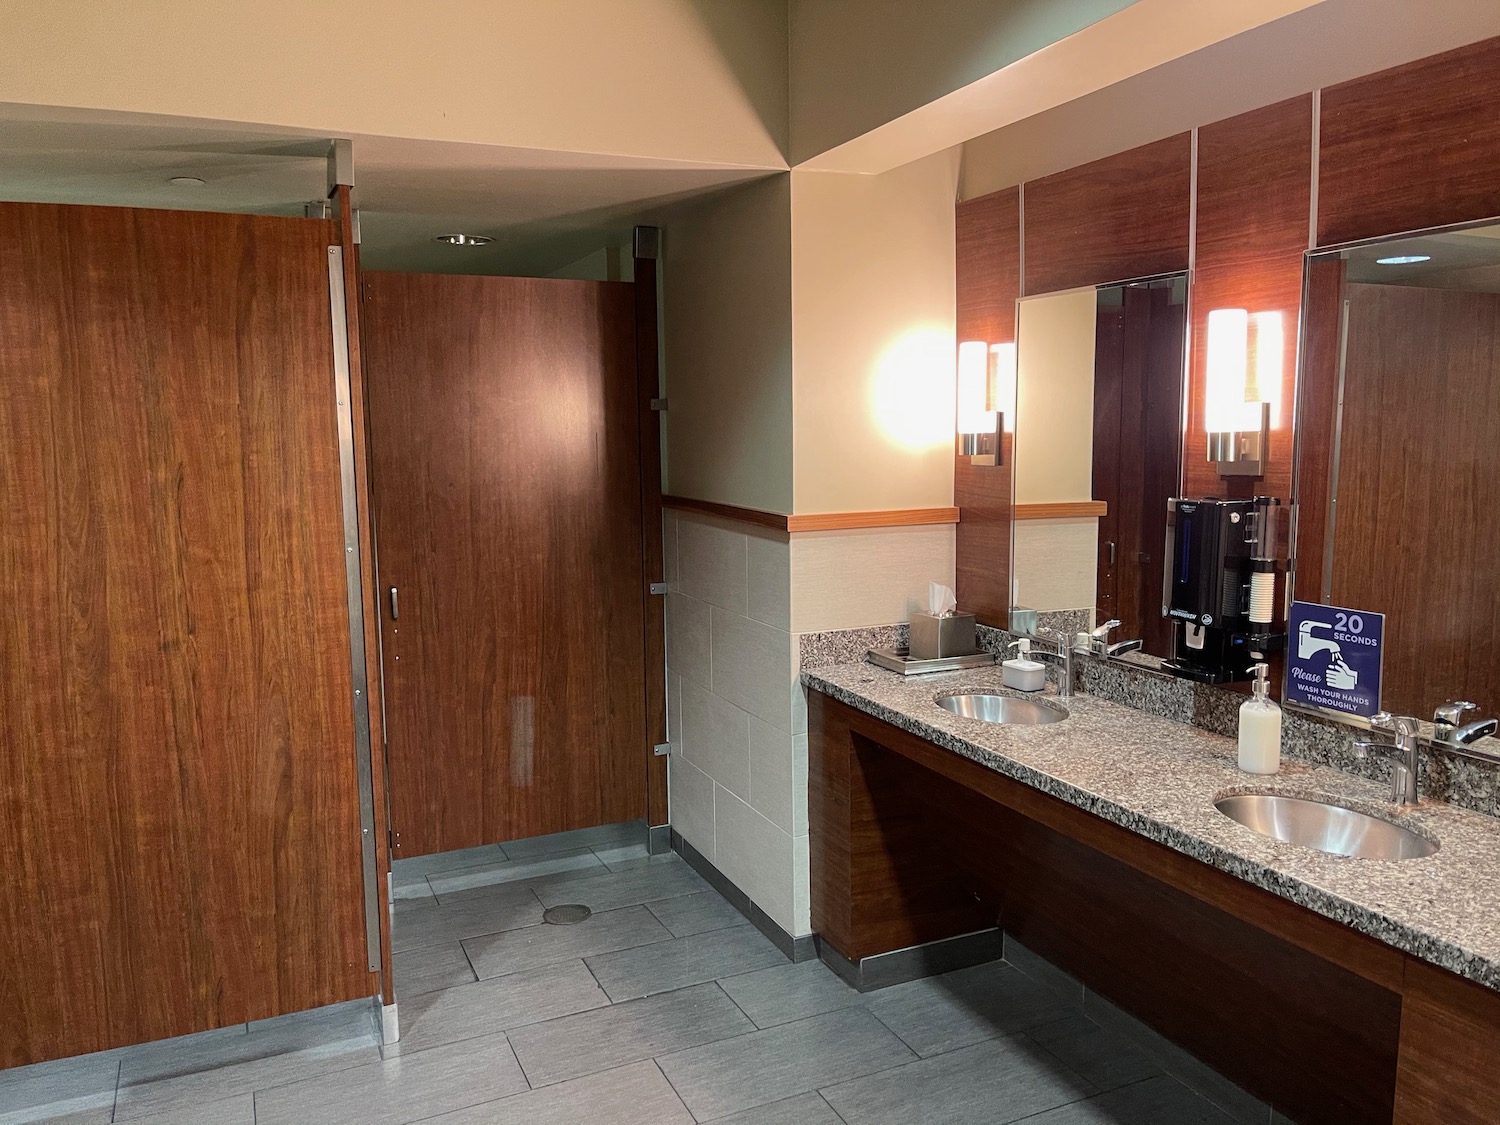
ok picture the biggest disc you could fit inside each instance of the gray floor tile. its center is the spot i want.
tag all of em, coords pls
(498, 1004)
(696, 914)
(954, 1010)
(430, 967)
(1105, 1058)
(544, 945)
(395, 1091)
(514, 871)
(680, 962)
(784, 993)
(1156, 1101)
(622, 1033)
(419, 867)
(490, 911)
(1044, 972)
(617, 857)
(185, 1053)
(80, 1087)
(602, 836)
(238, 1110)
(756, 1069)
(637, 884)
(996, 1081)
(630, 1095)
(804, 1109)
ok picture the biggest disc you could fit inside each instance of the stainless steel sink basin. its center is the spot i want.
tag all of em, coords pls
(1002, 709)
(1328, 828)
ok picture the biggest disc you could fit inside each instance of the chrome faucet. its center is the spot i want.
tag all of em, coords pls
(1449, 728)
(1405, 746)
(1099, 642)
(1063, 657)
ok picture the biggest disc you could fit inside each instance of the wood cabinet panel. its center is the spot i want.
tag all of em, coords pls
(1121, 217)
(1411, 147)
(178, 802)
(988, 276)
(1450, 1030)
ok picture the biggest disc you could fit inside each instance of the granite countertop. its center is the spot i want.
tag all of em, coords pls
(1160, 779)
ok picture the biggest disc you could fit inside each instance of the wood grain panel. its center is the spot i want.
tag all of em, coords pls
(1254, 200)
(1412, 147)
(1079, 509)
(1448, 1026)
(1419, 385)
(772, 520)
(900, 517)
(648, 379)
(1122, 217)
(988, 279)
(179, 811)
(508, 503)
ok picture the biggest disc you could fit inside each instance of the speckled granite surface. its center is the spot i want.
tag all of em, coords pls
(1159, 778)
(847, 646)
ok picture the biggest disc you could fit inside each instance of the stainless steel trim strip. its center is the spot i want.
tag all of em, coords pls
(1338, 448)
(353, 583)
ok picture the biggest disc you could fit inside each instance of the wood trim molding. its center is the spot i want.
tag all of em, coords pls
(903, 517)
(1075, 510)
(818, 521)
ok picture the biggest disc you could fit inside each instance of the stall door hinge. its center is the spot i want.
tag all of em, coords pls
(658, 404)
(662, 749)
(658, 587)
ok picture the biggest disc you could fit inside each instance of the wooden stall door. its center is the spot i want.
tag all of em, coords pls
(178, 797)
(508, 518)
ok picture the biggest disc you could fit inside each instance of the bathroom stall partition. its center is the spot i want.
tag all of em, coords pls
(179, 788)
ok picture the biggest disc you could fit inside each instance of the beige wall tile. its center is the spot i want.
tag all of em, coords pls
(690, 793)
(868, 576)
(712, 561)
(752, 667)
(688, 651)
(669, 545)
(771, 773)
(801, 886)
(755, 855)
(674, 706)
(716, 738)
(770, 580)
(1056, 563)
(799, 785)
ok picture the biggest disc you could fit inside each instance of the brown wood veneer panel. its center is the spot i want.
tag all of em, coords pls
(508, 502)
(1450, 1029)
(179, 806)
(988, 280)
(1122, 217)
(1411, 147)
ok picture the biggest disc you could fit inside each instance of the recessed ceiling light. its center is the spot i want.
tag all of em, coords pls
(185, 181)
(465, 239)
(1403, 260)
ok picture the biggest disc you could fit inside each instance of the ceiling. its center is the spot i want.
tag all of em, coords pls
(1468, 259)
(544, 209)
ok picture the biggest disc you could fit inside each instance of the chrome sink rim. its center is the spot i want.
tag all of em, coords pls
(997, 709)
(1326, 825)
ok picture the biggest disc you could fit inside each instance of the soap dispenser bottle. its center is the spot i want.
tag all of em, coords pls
(1260, 728)
(1020, 671)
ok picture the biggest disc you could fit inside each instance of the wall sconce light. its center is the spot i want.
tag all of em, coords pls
(986, 400)
(1243, 388)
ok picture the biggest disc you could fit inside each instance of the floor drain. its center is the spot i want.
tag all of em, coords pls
(569, 915)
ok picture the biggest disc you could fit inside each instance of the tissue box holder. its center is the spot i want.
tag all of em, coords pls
(936, 637)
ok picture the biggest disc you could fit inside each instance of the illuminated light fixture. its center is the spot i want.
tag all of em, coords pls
(986, 400)
(1403, 260)
(185, 181)
(464, 239)
(1243, 388)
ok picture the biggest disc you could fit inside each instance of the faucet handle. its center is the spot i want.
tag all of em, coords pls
(1103, 631)
(1452, 712)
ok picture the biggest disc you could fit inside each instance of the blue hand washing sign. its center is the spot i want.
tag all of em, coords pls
(1333, 658)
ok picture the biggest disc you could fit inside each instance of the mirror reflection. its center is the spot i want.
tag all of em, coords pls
(1398, 463)
(1097, 454)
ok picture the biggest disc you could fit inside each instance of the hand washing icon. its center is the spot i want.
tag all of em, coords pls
(1339, 674)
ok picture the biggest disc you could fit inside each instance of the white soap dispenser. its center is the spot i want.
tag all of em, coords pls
(1021, 672)
(1260, 728)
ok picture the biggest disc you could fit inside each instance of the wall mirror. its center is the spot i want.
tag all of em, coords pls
(1097, 450)
(1398, 461)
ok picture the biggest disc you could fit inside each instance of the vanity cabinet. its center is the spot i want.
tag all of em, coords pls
(913, 843)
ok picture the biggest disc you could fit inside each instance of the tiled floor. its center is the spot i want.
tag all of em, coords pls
(665, 1006)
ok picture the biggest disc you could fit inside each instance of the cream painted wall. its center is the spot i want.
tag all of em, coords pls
(677, 79)
(727, 347)
(872, 337)
(1055, 397)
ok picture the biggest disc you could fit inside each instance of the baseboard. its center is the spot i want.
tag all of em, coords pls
(795, 948)
(930, 959)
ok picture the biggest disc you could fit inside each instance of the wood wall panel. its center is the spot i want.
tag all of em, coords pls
(1412, 147)
(178, 798)
(1121, 217)
(1254, 195)
(1317, 420)
(988, 277)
